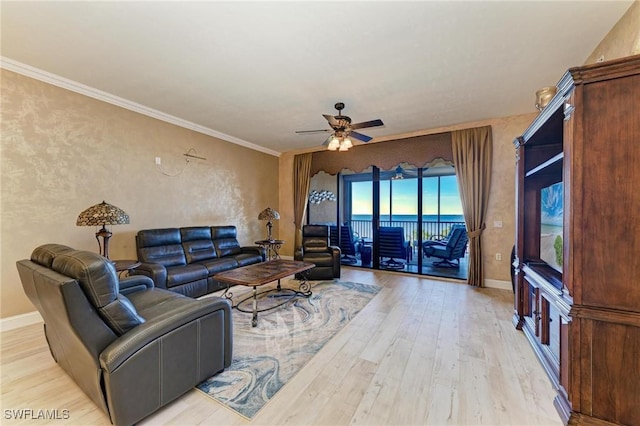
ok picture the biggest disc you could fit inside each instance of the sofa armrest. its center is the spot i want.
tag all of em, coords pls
(256, 250)
(134, 283)
(156, 271)
(141, 336)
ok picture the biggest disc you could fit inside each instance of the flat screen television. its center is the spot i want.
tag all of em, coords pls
(551, 237)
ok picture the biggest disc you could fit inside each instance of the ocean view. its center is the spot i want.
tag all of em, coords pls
(361, 224)
(412, 218)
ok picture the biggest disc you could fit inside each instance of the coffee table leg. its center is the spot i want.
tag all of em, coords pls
(254, 320)
(304, 288)
(227, 294)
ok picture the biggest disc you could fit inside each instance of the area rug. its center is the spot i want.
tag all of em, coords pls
(286, 338)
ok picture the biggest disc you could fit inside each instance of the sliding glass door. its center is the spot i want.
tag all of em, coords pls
(441, 212)
(387, 217)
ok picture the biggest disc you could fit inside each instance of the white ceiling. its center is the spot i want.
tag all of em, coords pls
(258, 71)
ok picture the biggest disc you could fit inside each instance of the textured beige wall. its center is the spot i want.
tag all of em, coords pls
(622, 40)
(501, 200)
(324, 212)
(63, 152)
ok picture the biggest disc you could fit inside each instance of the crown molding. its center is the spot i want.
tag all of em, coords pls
(74, 86)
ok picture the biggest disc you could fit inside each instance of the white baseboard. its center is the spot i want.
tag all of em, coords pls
(503, 285)
(17, 321)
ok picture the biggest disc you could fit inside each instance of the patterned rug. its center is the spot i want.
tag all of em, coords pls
(286, 338)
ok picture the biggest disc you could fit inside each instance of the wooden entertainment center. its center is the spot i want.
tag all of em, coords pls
(582, 318)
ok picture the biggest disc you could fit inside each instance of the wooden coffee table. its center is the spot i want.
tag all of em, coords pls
(263, 273)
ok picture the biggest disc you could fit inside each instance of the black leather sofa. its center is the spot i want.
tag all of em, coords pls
(130, 347)
(185, 260)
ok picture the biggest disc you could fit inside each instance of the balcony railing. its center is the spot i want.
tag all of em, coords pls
(437, 230)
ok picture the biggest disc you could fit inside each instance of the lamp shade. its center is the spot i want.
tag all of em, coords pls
(102, 214)
(269, 214)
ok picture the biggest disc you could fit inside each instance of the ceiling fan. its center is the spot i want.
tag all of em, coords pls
(342, 130)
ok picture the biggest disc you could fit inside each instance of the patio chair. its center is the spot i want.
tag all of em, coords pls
(393, 246)
(450, 252)
(439, 240)
(346, 243)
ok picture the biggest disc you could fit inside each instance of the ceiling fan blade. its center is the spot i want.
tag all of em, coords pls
(313, 131)
(364, 124)
(360, 136)
(331, 119)
(326, 142)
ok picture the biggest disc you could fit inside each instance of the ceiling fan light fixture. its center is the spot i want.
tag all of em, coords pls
(399, 174)
(342, 128)
(334, 144)
(346, 143)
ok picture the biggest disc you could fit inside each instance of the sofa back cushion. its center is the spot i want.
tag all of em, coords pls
(197, 244)
(162, 246)
(225, 240)
(98, 279)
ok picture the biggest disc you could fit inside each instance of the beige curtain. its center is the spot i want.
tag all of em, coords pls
(301, 178)
(472, 154)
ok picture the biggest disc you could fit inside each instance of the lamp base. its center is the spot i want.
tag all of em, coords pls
(269, 226)
(104, 247)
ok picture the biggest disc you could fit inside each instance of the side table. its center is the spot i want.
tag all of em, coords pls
(272, 247)
(366, 248)
(123, 267)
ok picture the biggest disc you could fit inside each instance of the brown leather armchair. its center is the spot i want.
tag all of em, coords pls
(316, 249)
(131, 354)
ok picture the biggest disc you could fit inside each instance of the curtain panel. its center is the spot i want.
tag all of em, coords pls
(473, 153)
(301, 179)
(417, 151)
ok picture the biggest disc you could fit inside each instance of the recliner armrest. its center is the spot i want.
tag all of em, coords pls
(134, 283)
(139, 337)
(156, 271)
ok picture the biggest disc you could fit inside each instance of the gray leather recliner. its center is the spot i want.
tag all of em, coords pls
(131, 348)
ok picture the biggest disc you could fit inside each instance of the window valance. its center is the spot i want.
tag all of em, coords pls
(417, 151)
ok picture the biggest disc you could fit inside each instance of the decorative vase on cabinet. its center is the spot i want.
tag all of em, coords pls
(582, 315)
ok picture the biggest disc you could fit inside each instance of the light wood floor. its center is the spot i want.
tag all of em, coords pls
(422, 352)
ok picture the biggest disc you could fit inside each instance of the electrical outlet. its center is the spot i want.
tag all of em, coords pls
(158, 161)
(497, 224)
(498, 256)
